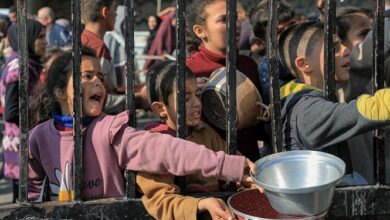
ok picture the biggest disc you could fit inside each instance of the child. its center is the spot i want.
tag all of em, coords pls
(310, 121)
(110, 145)
(206, 41)
(9, 88)
(259, 19)
(161, 197)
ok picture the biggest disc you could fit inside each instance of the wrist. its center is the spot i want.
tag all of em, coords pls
(202, 205)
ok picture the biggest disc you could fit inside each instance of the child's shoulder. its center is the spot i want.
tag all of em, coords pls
(159, 127)
(42, 130)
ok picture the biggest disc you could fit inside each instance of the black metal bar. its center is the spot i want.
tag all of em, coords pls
(272, 45)
(130, 67)
(77, 103)
(130, 176)
(378, 83)
(181, 79)
(23, 98)
(329, 30)
(231, 64)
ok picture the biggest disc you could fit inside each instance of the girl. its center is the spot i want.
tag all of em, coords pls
(161, 196)
(9, 90)
(110, 145)
(206, 38)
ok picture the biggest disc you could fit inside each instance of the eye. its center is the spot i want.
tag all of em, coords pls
(87, 76)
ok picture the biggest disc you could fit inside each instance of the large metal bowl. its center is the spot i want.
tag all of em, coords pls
(299, 182)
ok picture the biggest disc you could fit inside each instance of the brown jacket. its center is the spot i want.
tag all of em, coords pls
(162, 197)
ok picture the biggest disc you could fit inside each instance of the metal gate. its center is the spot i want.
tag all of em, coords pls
(372, 201)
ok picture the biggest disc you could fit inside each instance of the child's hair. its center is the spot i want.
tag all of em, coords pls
(196, 15)
(45, 102)
(161, 79)
(90, 9)
(51, 51)
(345, 16)
(259, 17)
(299, 40)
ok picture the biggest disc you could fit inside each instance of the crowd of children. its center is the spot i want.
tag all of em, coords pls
(111, 146)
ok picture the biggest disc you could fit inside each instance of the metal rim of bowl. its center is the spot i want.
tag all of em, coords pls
(246, 216)
(301, 153)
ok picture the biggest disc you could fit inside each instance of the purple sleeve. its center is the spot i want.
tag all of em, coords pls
(161, 154)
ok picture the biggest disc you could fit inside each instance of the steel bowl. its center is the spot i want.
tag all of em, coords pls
(299, 182)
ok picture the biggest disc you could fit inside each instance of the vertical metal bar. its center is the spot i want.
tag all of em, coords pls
(329, 30)
(23, 98)
(272, 44)
(158, 8)
(181, 79)
(231, 64)
(130, 74)
(378, 83)
(77, 104)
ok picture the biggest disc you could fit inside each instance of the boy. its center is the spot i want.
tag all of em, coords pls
(310, 121)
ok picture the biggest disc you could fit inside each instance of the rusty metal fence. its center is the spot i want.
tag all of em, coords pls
(372, 201)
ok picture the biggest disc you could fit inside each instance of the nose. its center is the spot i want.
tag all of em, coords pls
(345, 51)
(196, 102)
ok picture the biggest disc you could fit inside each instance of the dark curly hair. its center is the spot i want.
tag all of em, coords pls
(45, 102)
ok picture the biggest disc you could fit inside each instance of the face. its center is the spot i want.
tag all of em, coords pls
(40, 43)
(213, 32)
(111, 16)
(152, 22)
(12, 17)
(193, 106)
(358, 30)
(43, 18)
(93, 90)
(342, 63)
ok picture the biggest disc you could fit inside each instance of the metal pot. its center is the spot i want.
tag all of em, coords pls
(249, 109)
(299, 182)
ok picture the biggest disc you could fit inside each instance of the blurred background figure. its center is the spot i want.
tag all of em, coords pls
(154, 22)
(12, 14)
(246, 33)
(55, 34)
(5, 49)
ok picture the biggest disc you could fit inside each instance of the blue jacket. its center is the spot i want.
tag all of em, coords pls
(58, 36)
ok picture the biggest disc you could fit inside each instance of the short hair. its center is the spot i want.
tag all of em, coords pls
(299, 40)
(259, 17)
(48, 12)
(12, 9)
(90, 9)
(161, 79)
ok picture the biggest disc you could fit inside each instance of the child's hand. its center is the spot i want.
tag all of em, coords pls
(216, 207)
(201, 81)
(246, 178)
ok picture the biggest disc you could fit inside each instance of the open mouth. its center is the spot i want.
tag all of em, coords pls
(96, 98)
(196, 115)
(346, 65)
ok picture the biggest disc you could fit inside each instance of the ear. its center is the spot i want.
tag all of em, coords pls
(159, 109)
(103, 12)
(60, 94)
(303, 65)
(199, 31)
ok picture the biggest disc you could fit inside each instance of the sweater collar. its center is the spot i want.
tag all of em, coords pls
(217, 58)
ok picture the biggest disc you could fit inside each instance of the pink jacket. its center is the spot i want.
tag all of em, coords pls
(110, 147)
